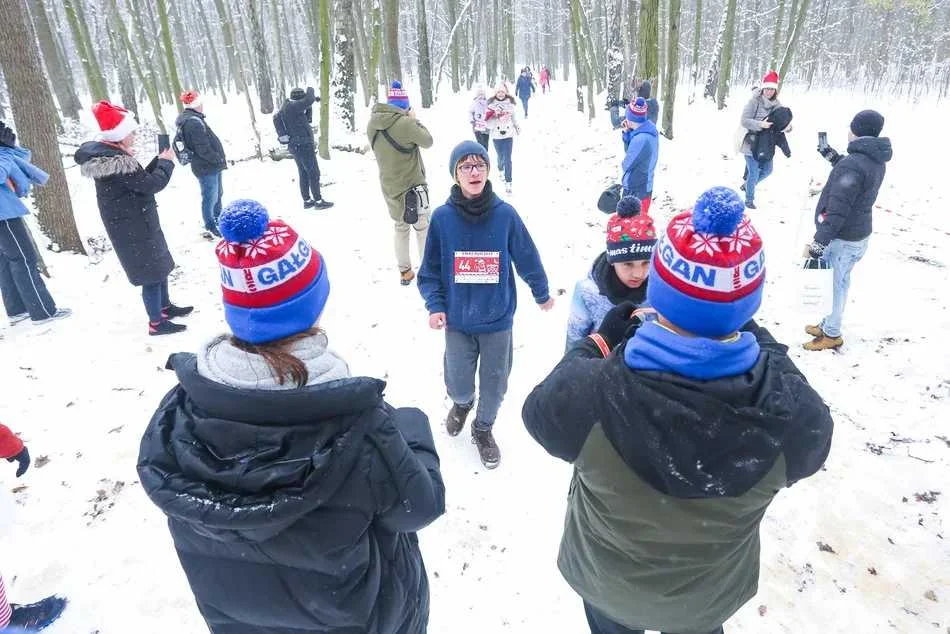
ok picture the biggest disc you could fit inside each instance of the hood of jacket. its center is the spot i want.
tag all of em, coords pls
(876, 148)
(101, 160)
(610, 286)
(385, 116)
(780, 117)
(645, 90)
(244, 465)
(186, 114)
(647, 127)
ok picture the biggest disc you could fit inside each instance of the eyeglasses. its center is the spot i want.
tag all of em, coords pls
(472, 168)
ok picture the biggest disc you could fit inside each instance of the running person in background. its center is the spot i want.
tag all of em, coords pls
(642, 145)
(764, 101)
(544, 78)
(476, 116)
(619, 274)
(524, 89)
(503, 123)
(467, 279)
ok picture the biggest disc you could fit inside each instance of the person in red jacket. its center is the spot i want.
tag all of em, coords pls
(38, 615)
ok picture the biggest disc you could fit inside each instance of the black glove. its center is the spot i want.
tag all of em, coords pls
(619, 324)
(24, 459)
(816, 250)
(7, 137)
(829, 154)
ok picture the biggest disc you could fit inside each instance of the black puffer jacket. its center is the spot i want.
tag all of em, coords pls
(126, 196)
(208, 153)
(845, 205)
(297, 118)
(295, 511)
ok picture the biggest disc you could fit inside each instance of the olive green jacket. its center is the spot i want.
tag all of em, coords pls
(400, 169)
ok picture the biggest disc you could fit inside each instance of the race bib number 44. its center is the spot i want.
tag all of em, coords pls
(477, 267)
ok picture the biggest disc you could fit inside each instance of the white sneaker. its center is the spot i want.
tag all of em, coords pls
(15, 319)
(61, 313)
(507, 187)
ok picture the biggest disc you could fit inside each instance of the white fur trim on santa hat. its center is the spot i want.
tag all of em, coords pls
(769, 84)
(126, 127)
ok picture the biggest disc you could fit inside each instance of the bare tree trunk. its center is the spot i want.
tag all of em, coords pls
(697, 38)
(235, 60)
(265, 89)
(60, 79)
(453, 38)
(452, 47)
(33, 108)
(169, 52)
(425, 59)
(147, 77)
(374, 62)
(615, 51)
(391, 8)
(213, 52)
(712, 74)
(326, 55)
(648, 38)
(94, 80)
(279, 37)
(345, 79)
(793, 39)
(777, 34)
(672, 68)
(725, 67)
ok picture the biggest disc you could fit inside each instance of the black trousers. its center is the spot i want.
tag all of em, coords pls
(22, 287)
(307, 170)
(600, 624)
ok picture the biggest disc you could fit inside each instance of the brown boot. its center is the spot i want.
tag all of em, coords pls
(455, 421)
(488, 450)
(406, 277)
(814, 331)
(824, 342)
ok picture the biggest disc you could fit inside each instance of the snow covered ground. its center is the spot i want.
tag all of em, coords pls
(861, 547)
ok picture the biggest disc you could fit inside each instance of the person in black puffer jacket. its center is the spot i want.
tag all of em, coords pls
(294, 123)
(207, 157)
(126, 192)
(293, 490)
(843, 216)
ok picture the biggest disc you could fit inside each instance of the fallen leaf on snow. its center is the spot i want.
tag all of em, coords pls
(41, 461)
(825, 548)
(931, 595)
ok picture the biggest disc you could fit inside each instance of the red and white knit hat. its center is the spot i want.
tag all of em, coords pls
(274, 283)
(191, 99)
(115, 122)
(770, 80)
(708, 269)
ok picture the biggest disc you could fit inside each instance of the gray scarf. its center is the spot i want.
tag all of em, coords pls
(220, 361)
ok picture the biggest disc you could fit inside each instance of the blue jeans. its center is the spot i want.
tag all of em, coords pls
(524, 104)
(155, 298)
(600, 624)
(503, 148)
(22, 287)
(842, 255)
(211, 192)
(758, 172)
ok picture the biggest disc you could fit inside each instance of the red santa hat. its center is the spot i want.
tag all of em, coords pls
(191, 99)
(770, 80)
(115, 122)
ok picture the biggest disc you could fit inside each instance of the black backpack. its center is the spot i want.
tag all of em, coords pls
(281, 128)
(182, 152)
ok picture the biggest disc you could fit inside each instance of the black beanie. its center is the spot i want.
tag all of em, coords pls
(297, 93)
(867, 123)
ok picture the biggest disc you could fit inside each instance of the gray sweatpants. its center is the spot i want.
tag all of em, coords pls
(462, 353)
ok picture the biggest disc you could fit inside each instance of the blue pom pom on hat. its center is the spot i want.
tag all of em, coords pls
(397, 96)
(707, 274)
(637, 110)
(243, 220)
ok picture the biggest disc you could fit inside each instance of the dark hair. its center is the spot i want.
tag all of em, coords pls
(276, 354)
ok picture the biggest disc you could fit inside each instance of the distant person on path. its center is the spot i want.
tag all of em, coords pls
(206, 157)
(294, 122)
(755, 119)
(503, 124)
(125, 192)
(642, 147)
(619, 274)
(524, 89)
(681, 432)
(467, 279)
(843, 215)
(544, 78)
(40, 615)
(476, 116)
(397, 139)
(24, 292)
(293, 489)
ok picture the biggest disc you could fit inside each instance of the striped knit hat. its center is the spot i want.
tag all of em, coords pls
(397, 96)
(274, 283)
(708, 270)
(637, 110)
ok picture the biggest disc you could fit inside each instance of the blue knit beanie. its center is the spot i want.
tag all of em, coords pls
(397, 96)
(464, 149)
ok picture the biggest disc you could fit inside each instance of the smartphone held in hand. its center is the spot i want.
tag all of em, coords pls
(822, 141)
(164, 143)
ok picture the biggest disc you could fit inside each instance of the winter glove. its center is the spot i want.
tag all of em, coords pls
(814, 250)
(24, 459)
(618, 325)
(829, 154)
(7, 137)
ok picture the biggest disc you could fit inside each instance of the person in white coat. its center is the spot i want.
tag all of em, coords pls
(503, 124)
(476, 117)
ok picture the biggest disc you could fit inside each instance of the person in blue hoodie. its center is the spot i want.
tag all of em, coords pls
(641, 143)
(24, 292)
(525, 88)
(619, 274)
(467, 279)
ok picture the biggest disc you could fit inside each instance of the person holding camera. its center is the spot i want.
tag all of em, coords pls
(641, 142)
(293, 489)
(843, 215)
(206, 157)
(125, 192)
(294, 125)
(397, 139)
(503, 123)
(24, 292)
(681, 432)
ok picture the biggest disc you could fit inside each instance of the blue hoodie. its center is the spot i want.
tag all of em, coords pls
(640, 160)
(16, 169)
(467, 270)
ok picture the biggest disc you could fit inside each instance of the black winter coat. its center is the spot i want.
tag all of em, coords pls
(765, 141)
(845, 205)
(297, 117)
(208, 153)
(295, 511)
(126, 195)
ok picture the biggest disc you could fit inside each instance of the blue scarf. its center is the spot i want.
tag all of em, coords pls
(658, 349)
